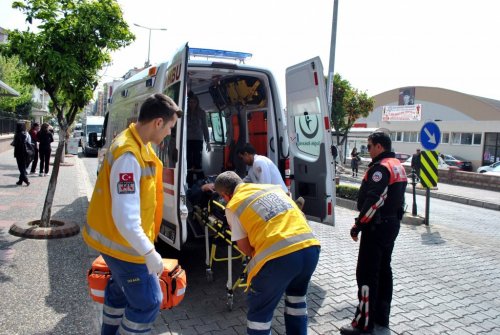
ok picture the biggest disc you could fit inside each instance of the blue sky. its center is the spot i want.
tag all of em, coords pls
(381, 45)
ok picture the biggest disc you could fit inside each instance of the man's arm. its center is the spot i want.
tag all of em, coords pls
(375, 193)
(124, 183)
(238, 233)
(245, 247)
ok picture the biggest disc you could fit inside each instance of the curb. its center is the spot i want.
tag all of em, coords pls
(444, 196)
(59, 229)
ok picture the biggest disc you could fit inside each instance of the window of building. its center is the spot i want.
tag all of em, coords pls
(397, 136)
(445, 138)
(466, 138)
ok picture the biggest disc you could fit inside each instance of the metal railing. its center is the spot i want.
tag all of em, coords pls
(7, 125)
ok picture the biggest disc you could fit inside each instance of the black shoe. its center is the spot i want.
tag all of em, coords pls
(27, 183)
(350, 330)
(19, 183)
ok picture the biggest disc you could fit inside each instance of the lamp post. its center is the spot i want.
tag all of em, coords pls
(149, 42)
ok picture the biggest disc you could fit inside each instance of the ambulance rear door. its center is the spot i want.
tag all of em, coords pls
(173, 229)
(310, 140)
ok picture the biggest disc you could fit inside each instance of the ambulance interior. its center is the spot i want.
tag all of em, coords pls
(237, 106)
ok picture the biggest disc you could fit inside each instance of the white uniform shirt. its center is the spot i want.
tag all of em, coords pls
(126, 207)
(263, 171)
(237, 230)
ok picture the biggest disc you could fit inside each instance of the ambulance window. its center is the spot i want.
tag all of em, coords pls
(167, 151)
(307, 123)
(218, 124)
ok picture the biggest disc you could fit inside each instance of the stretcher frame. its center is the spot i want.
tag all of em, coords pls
(219, 231)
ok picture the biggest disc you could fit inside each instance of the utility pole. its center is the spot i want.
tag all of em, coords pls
(149, 41)
(332, 54)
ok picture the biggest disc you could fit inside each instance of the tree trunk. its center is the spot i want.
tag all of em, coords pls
(51, 189)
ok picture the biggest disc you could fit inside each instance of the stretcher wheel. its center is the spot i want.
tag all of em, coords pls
(210, 275)
(229, 302)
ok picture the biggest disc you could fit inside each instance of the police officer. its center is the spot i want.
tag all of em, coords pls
(268, 226)
(380, 205)
(124, 218)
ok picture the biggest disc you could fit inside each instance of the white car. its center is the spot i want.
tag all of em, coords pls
(494, 172)
(441, 163)
(487, 168)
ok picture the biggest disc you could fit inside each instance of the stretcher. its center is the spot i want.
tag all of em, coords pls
(218, 234)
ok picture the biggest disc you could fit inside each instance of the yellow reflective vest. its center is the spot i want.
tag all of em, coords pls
(274, 224)
(100, 231)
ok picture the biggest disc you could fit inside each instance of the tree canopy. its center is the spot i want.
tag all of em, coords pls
(72, 42)
(12, 72)
(348, 105)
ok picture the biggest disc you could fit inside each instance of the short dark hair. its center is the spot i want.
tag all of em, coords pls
(158, 105)
(381, 138)
(246, 149)
(20, 127)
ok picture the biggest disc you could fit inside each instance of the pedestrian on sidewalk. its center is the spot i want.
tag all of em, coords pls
(380, 204)
(35, 128)
(355, 161)
(415, 163)
(269, 227)
(45, 138)
(21, 137)
(124, 218)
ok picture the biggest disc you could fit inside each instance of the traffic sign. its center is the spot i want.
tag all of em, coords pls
(430, 135)
(428, 168)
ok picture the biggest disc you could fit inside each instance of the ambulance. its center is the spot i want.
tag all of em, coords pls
(242, 105)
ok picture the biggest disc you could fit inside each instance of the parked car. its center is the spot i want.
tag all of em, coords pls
(458, 162)
(441, 163)
(495, 171)
(487, 168)
(402, 157)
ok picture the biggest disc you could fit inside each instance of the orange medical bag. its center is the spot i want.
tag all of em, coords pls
(173, 281)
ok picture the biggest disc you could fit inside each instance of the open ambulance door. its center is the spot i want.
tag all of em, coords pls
(309, 131)
(173, 229)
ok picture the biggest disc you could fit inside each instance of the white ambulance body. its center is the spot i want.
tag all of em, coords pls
(242, 105)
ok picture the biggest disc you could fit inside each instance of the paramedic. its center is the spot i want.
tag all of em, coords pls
(197, 130)
(262, 169)
(124, 218)
(284, 255)
(380, 203)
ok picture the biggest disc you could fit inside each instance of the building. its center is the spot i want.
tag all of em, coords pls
(470, 125)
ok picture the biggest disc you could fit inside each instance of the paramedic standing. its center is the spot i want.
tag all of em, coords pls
(380, 205)
(124, 218)
(269, 227)
(197, 130)
(262, 169)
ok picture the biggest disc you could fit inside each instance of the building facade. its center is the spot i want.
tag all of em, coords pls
(470, 125)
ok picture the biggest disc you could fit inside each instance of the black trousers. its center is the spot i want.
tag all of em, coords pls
(35, 161)
(374, 274)
(21, 165)
(194, 148)
(44, 160)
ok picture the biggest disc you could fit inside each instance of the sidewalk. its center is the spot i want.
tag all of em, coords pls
(460, 194)
(43, 282)
(445, 275)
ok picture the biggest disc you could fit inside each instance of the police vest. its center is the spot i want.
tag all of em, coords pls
(275, 226)
(100, 231)
(397, 172)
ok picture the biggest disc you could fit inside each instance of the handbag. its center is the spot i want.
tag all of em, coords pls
(30, 152)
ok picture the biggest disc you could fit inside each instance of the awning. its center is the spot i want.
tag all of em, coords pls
(7, 91)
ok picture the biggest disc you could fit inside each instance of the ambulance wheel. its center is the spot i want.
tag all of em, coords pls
(210, 275)
(229, 302)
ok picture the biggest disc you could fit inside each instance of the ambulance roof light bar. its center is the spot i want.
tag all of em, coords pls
(213, 53)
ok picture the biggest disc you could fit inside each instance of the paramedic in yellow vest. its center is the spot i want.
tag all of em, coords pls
(124, 217)
(268, 226)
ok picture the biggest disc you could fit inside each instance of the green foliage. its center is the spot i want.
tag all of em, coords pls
(73, 42)
(347, 192)
(348, 105)
(12, 72)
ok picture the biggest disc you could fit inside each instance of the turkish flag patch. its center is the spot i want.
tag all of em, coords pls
(126, 184)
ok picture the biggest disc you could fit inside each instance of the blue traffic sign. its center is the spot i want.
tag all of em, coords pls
(430, 135)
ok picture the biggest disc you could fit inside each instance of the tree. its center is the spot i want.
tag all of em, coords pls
(348, 105)
(12, 72)
(73, 42)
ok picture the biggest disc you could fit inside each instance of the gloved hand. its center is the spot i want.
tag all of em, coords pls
(154, 262)
(355, 229)
(209, 148)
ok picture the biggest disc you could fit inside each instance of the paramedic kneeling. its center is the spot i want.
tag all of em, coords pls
(268, 226)
(124, 218)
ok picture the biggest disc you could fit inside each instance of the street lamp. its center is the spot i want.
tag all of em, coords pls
(149, 43)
